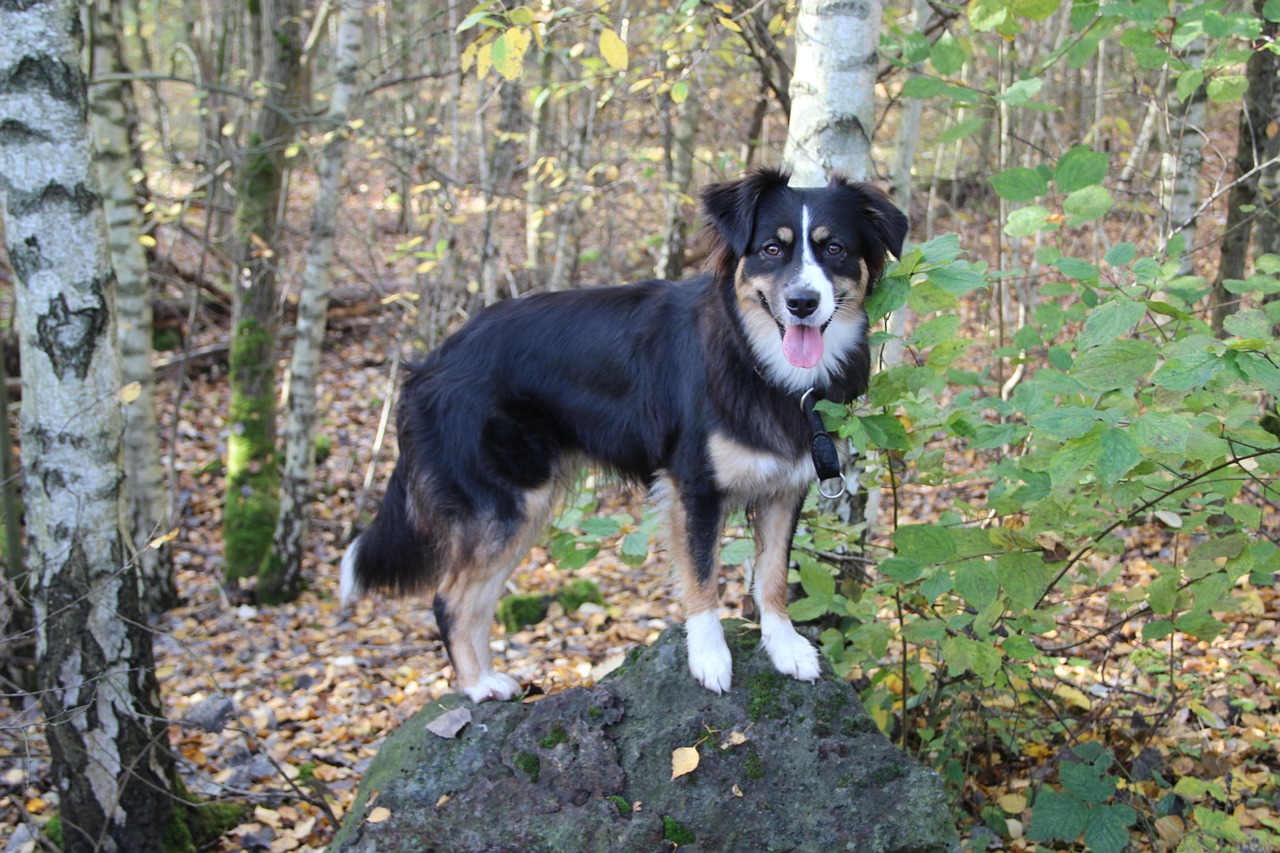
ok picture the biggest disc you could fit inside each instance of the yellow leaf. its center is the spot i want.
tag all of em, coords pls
(379, 814)
(484, 60)
(160, 540)
(614, 50)
(679, 92)
(684, 760)
(129, 393)
(469, 56)
(508, 52)
(1012, 803)
(730, 24)
(147, 240)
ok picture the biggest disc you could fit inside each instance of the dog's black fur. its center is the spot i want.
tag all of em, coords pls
(691, 388)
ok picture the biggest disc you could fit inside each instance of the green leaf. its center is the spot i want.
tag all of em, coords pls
(1118, 364)
(935, 331)
(635, 548)
(976, 582)
(885, 431)
(889, 295)
(1110, 321)
(1057, 816)
(1022, 92)
(1020, 184)
(924, 543)
(901, 570)
(817, 580)
(1023, 575)
(1166, 433)
(804, 609)
(1084, 781)
(1189, 81)
(1188, 371)
(962, 654)
(1117, 456)
(1079, 168)
(1107, 830)
(961, 130)
(1077, 269)
(1087, 204)
(1036, 10)
(737, 552)
(947, 55)
(988, 14)
(1228, 88)
(1026, 221)
(1121, 254)
(1162, 594)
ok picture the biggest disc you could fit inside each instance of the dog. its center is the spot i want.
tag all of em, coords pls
(691, 388)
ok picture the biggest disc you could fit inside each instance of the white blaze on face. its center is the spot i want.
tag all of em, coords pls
(802, 343)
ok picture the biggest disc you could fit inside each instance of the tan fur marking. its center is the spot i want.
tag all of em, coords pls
(771, 524)
(786, 235)
(741, 469)
(694, 596)
(820, 234)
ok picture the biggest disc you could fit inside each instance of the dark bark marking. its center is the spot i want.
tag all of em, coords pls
(81, 199)
(68, 337)
(63, 82)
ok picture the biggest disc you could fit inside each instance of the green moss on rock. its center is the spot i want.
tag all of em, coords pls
(517, 611)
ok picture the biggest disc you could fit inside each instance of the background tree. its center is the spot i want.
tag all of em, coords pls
(253, 464)
(114, 124)
(281, 577)
(98, 690)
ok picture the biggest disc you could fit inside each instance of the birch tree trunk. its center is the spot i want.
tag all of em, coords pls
(253, 469)
(107, 737)
(281, 578)
(1183, 160)
(832, 117)
(113, 121)
(833, 90)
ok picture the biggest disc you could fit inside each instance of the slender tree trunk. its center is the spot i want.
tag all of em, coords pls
(535, 189)
(679, 173)
(253, 469)
(1183, 160)
(1255, 124)
(113, 119)
(281, 577)
(106, 733)
(833, 90)
(832, 117)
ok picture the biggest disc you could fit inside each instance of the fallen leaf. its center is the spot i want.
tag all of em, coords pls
(378, 815)
(684, 760)
(734, 739)
(448, 724)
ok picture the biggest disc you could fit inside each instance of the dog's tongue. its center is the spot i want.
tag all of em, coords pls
(802, 345)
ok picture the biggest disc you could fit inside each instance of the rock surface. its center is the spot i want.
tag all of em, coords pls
(781, 765)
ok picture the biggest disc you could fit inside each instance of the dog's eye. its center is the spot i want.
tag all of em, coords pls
(834, 248)
(772, 249)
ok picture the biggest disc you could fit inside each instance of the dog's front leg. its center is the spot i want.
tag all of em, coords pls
(775, 526)
(695, 520)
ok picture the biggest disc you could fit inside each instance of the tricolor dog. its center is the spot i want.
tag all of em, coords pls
(691, 388)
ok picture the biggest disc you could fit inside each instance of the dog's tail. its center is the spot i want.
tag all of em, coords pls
(390, 554)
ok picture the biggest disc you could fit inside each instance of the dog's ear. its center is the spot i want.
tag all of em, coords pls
(883, 227)
(730, 208)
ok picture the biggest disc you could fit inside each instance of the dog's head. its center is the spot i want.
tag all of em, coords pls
(801, 262)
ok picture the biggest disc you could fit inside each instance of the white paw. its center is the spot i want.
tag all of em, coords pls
(495, 685)
(709, 658)
(791, 653)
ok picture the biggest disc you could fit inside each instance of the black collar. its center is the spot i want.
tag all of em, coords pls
(825, 459)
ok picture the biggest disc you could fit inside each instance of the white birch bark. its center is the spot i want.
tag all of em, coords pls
(297, 487)
(833, 90)
(832, 117)
(111, 113)
(1183, 161)
(94, 657)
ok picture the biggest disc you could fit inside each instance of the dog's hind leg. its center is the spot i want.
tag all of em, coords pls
(695, 522)
(468, 597)
(774, 522)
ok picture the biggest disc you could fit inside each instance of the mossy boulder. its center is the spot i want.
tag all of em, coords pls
(783, 765)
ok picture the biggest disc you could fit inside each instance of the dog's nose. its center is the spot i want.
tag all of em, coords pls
(802, 303)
